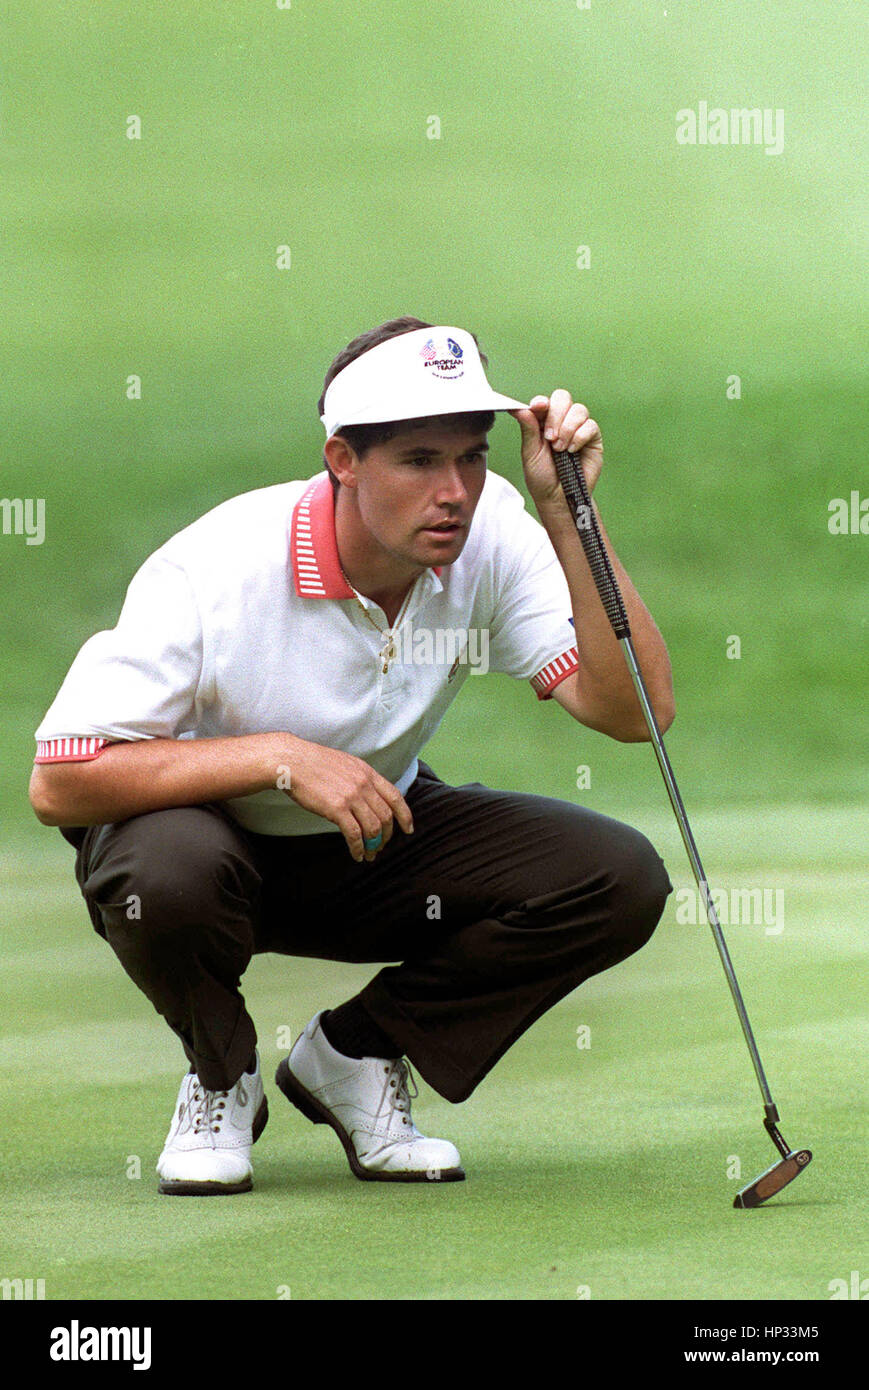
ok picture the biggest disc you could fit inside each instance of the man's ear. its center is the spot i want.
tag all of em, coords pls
(341, 459)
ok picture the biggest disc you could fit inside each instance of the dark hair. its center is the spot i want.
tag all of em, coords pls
(361, 438)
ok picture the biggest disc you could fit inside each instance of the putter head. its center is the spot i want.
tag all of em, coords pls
(774, 1179)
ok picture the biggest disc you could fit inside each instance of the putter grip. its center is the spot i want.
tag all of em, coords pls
(575, 489)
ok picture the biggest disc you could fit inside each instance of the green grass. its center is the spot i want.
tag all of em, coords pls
(157, 257)
(604, 1167)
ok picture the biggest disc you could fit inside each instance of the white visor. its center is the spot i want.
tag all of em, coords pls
(429, 371)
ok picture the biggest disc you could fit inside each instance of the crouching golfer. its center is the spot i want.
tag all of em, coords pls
(239, 758)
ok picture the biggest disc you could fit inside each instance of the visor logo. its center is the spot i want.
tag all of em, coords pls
(443, 360)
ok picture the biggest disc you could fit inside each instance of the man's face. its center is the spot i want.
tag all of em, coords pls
(417, 494)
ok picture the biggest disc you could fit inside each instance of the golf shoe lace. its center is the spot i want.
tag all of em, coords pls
(206, 1108)
(397, 1075)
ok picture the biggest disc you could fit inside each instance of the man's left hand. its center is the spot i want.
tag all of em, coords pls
(557, 422)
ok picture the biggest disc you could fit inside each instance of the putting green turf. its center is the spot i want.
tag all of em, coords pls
(602, 1168)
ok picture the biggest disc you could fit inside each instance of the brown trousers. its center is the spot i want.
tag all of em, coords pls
(493, 910)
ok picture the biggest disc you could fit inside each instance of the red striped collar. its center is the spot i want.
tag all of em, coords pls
(313, 547)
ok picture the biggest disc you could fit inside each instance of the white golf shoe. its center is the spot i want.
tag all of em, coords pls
(367, 1102)
(207, 1149)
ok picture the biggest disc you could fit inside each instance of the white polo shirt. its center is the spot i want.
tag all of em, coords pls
(243, 623)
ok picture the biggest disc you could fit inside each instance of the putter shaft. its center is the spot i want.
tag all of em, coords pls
(578, 497)
(572, 478)
(700, 876)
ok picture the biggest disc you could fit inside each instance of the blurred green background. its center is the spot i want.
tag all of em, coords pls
(306, 126)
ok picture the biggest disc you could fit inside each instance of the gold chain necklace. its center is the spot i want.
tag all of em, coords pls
(387, 651)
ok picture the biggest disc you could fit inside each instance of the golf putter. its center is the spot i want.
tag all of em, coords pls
(572, 479)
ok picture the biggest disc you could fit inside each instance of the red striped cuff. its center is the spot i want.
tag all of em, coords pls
(554, 672)
(68, 750)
